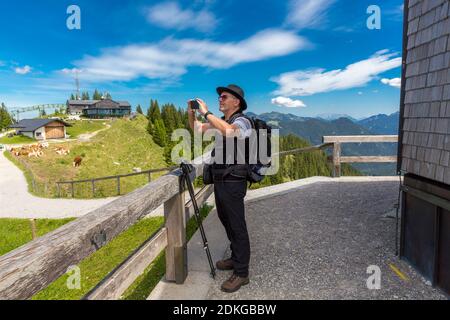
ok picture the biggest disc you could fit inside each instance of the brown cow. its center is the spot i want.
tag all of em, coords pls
(77, 161)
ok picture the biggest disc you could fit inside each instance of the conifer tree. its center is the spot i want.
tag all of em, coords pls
(154, 112)
(5, 118)
(159, 133)
(97, 95)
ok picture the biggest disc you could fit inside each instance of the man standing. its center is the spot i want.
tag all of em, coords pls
(230, 184)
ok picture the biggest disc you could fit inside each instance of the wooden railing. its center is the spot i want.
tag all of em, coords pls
(116, 177)
(306, 149)
(117, 281)
(32, 267)
(337, 158)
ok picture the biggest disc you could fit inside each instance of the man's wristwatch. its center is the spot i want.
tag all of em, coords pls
(206, 115)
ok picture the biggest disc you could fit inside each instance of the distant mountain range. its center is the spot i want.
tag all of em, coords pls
(334, 116)
(313, 129)
(382, 123)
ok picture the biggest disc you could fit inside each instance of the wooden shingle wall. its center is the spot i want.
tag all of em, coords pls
(426, 126)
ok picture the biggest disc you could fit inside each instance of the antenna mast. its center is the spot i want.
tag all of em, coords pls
(77, 83)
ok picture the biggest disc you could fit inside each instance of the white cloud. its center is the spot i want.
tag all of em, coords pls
(358, 74)
(307, 13)
(170, 15)
(24, 70)
(171, 57)
(288, 102)
(70, 71)
(395, 82)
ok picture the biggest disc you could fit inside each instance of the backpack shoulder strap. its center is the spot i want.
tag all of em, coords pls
(242, 115)
(234, 117)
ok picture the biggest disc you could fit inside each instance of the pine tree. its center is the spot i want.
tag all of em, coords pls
(97, 95)
(159, 133)
(153, 115)
(154, 112)
(149, 109)
(169, 117)
(184, 118)
(168, 153)
(108, 96)
(72, 97)
(139, 109)
(5, 118)
(179, 118)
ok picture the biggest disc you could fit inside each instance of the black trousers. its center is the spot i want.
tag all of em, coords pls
(229, 196)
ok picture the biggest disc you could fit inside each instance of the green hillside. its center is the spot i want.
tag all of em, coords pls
(114, 151)
(80, 127)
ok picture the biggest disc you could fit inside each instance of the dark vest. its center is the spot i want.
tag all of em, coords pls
(234, 161)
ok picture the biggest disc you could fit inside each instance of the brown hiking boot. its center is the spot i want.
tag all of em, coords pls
(234, 283)
(226, 264)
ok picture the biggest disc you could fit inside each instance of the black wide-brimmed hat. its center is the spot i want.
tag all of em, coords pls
(235, 91)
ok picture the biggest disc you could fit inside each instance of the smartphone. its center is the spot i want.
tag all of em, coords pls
(194, 104)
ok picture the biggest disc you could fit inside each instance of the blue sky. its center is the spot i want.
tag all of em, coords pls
(305, 57)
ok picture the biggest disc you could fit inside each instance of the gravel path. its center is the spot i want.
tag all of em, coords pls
(17, 202)
(318, 241)
(86, 137)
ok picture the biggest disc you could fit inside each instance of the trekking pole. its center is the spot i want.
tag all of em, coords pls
(186, 168)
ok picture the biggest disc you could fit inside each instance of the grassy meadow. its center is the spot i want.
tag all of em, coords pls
(16, 232)
(84, 126)
(99, 264)
(114, 151)
(16, 140)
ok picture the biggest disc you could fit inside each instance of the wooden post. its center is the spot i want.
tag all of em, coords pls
(118, 186)
(72, 189)
(149, 177)
(33, 229)
(93, 188)
(59, 189)
(337, 160)
(176, 250)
